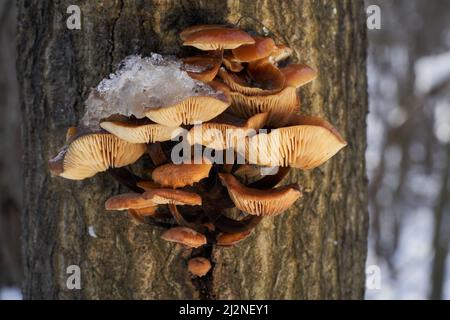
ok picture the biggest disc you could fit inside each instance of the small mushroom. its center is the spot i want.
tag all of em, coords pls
(193, 109)
(145, 212)
(185, 236)
(298, 75)
(89, 154)
(262, 48)
(262, 79)
(264, 72)
(134, 133)
(257, 202)
(225, 131)
(279, 53)
(128, 201)
(171, 196)
(217, 38)
(231, 63)
(200, 27)
(148, 185)
(180, 175)
(71, 133)
(140, 214)
(199, 266)
(203, 68)
(306, 143)
(279, 106)
(229, 239)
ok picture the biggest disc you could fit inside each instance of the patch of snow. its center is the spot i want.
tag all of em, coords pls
(432, 71)
(91, 232)
(141, 83)
(442, 121)
(412, 260)
(10, 294)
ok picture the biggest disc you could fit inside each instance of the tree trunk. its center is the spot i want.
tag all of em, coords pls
(316, 250)
(10, 175)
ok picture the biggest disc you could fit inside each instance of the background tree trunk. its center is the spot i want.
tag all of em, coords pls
(10, 174)
(317, 250)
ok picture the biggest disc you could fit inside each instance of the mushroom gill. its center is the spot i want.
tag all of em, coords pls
(257, 202)
(218, 38)
(306, 143)
(135, 133)
(92, 153)
(226, 131)
(193, 109)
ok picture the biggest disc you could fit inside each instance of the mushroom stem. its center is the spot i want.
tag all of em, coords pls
(126, 178)
(229, 225)
(182, 221)
(159, 224)
(269, 182)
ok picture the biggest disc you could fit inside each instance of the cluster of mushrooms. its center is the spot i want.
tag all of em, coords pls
(207, 203)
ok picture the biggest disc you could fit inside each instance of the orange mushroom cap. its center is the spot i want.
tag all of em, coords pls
(217, 38)
(262, 48)
(185, 236)
(128, 201)
(171, 196)
(298, 75)
(180, 175)
(199, 266)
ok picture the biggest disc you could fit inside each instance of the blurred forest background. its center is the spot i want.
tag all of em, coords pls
(408, 155)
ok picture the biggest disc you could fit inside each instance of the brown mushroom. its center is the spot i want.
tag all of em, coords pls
(217, 38)
(145, 212)
(193, 109)
(257, 202)
(148, 185)
(199, 266)
(231, 63)
(181, 175)
(279, 105)
(262, 48)
(262, 79)
(92, 153)
(298, 75)
(229, 239)
(200, 27)
(171, 196)
(128, 201)
(225, 131)
(306, 143)
(264, 72)
(203, 68)
(71, 133)
(134, 133)
(184, 236)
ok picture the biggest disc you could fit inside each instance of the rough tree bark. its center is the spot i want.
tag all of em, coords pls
(317, 250)
(10, 174)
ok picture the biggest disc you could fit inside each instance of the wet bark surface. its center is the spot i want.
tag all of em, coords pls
(316, 250)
